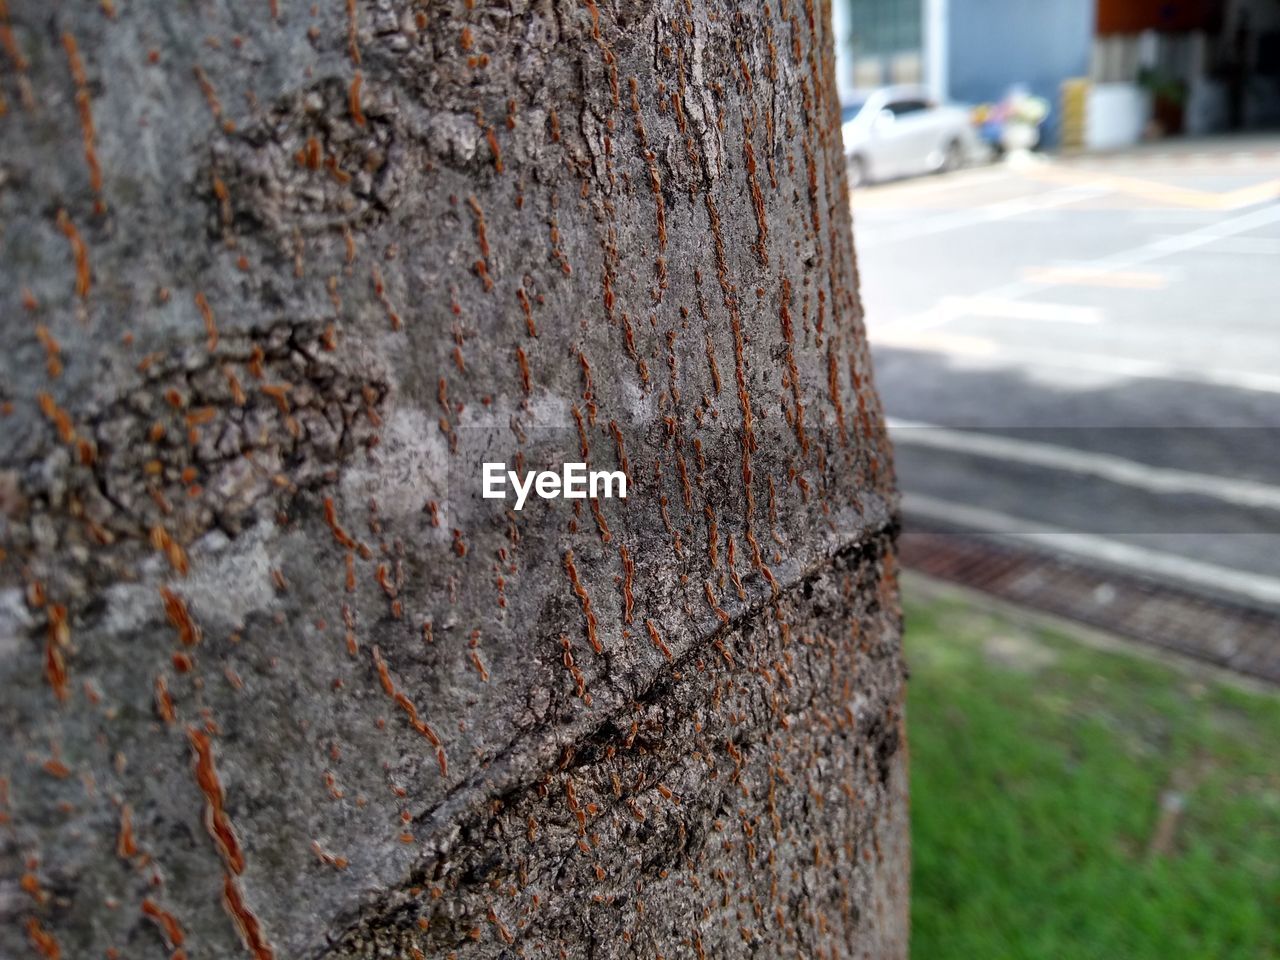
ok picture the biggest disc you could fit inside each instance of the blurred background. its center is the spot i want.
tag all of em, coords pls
(1067, 219)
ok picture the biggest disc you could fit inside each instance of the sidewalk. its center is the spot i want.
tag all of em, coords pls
(1231, 148)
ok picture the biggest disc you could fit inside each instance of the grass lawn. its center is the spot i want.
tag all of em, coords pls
(1074, 802)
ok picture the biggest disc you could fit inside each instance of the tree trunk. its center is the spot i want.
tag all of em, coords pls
(276, 279)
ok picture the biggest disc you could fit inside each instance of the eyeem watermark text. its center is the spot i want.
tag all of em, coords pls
(574, 482)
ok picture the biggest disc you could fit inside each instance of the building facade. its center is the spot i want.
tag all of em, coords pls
(972, 51)
(1151, 67)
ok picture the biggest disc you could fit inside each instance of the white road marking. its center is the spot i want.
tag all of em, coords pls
(1175, 216)
(1165, 246)
(1246, 246)
(1158, 480)
(873, 195)
(1125, 260)
(952, 308)
(988, 213)
(1191, 240)
(1141, 560)
(1108, 364)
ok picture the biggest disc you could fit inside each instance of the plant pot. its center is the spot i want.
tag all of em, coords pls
(1170, 114)
(1019, 136)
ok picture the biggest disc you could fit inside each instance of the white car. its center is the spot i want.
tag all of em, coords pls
(900, 132)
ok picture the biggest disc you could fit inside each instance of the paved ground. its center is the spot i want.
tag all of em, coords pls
(1086, 351)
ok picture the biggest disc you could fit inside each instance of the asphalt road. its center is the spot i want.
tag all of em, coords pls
(1085, 352)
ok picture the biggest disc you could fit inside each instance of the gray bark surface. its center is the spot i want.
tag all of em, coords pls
(275, 279)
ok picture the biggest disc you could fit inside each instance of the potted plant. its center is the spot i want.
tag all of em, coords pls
(1023, 114)
(1168, 98)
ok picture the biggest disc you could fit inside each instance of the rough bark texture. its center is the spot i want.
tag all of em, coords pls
(275, 278)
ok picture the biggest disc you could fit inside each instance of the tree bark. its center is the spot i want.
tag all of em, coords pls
(275, 280)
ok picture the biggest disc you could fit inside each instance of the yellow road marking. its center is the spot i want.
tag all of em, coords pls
(1160, 192)
(1095, 277)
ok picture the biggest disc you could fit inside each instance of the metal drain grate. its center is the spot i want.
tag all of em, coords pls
(1214, 630)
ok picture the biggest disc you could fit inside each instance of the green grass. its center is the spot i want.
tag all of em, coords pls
(1038, 764)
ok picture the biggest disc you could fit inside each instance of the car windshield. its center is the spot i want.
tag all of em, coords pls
(851, 109)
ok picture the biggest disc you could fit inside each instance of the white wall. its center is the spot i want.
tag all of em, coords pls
(936, 16)
(1116, 115)
(844, 65)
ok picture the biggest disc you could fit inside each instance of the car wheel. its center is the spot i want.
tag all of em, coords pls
(952, 158)
(857, 172)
